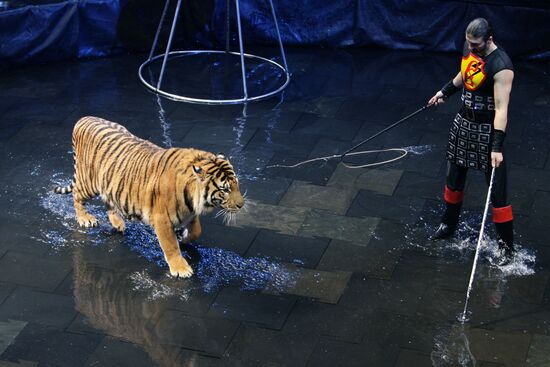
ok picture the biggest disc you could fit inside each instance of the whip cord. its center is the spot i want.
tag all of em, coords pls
(402, 151)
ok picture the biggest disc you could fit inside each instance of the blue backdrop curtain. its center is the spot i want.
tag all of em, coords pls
(521, 27)
(70, 29)
(93, 28)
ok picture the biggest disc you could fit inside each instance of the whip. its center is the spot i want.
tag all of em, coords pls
(349, 152)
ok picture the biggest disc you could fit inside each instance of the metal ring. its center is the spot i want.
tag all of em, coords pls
(176, 97)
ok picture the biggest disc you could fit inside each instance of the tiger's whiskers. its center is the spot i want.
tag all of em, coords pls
(229, 218)
(220, 212)
(244, 208)
(246, 205)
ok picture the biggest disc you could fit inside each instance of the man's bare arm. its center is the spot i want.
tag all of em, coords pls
(502, 88)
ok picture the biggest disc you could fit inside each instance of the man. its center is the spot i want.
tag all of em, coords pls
(478, 131)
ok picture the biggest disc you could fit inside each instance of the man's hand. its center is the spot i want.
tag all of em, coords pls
(496, 159)
(437, 99)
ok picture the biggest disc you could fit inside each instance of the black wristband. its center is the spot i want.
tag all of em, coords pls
(498, 139)
(449, 89)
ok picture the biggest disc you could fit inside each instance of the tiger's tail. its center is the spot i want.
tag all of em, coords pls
(69, 188)
(64, 189)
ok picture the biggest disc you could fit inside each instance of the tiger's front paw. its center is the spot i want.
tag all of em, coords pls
(87, 220)
(180, 268)
(116, 221)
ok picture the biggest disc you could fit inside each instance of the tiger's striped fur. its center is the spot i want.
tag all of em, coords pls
(165, 188)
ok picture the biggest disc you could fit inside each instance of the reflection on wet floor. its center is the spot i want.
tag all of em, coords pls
(102, 297)
(214, 267)
(452, 348)
(329, 266)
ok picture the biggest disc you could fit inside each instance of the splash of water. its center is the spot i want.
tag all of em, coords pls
(236, 154)
(273, 119)
(220, 267)
(464, 242)
(37, 170)
(61, 206)
(419, 149)
(216, 267)
(164, 124)
(155, 290)
(522, 264)
(452, 348)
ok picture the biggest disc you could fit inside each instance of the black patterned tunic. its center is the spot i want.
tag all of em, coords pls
(471, 134)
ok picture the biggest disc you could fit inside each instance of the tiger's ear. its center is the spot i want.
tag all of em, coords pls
(220, 156)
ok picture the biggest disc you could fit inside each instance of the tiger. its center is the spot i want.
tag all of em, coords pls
(167, 189)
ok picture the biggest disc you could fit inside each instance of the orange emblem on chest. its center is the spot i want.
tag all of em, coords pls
(473, 72)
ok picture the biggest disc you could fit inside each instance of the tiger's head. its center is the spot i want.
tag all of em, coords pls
(221, 186)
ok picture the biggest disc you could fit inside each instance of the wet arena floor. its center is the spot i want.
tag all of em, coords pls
(328, 266)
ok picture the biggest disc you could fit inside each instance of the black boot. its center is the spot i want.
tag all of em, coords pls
(505, 233)
(448, 223)
(508, 252)
(443, 231)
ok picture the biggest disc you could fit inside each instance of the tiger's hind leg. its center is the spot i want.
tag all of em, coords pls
(116, 220)
(84, 218)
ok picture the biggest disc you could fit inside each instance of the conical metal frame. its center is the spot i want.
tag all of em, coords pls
(165, 56)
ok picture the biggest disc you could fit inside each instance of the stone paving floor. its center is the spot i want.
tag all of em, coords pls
(329, 266)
